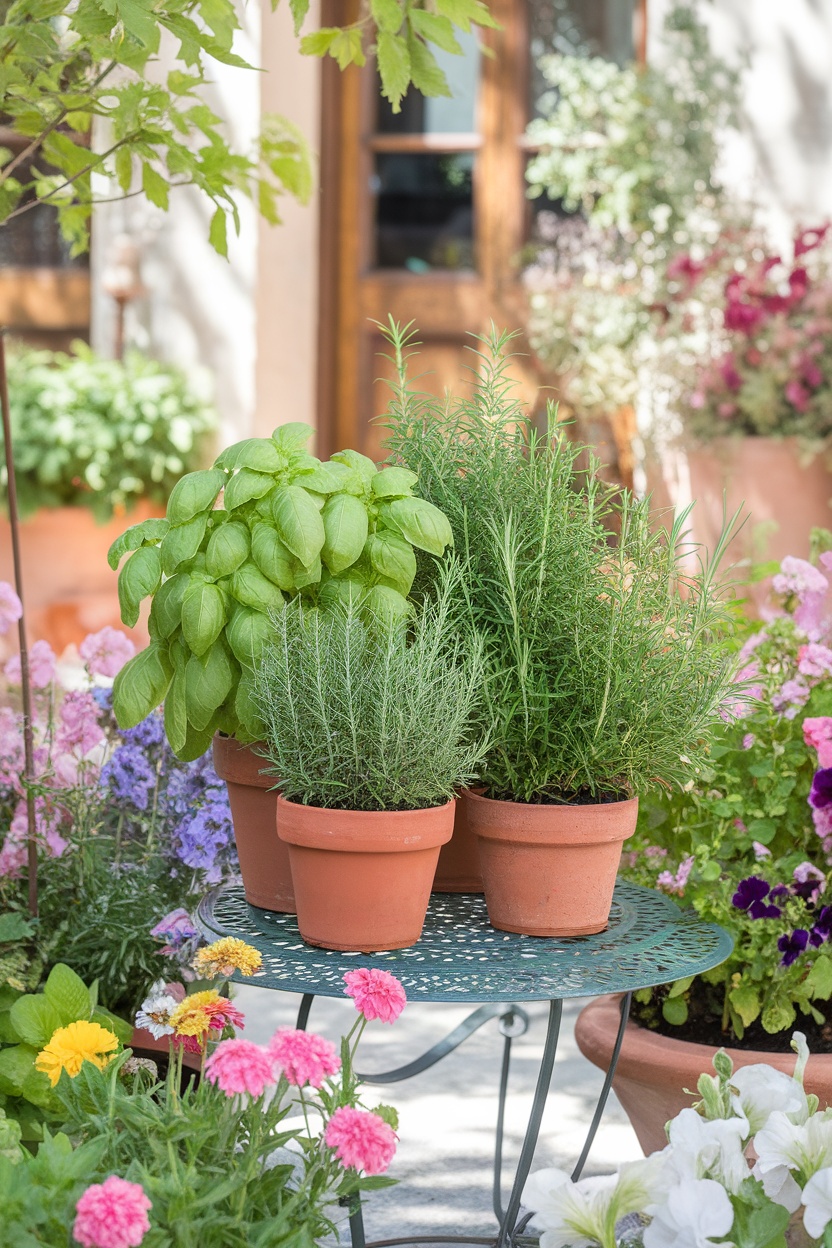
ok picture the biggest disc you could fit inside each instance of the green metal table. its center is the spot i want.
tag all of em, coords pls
(462, 958)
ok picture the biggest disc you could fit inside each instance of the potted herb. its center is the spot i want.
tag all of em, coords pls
(370, 727)
(601, 673)
(268, 522)
(749, 847)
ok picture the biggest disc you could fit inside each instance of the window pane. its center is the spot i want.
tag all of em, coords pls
(579, 28)
(441, 114)
(424, 211)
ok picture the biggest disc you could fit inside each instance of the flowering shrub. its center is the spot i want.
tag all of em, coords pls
(749, 846)
(702, 1189)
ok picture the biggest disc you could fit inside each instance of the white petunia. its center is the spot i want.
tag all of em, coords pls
(583, 1214)
(695, 1211)
(817, 1197)
(701, 1149)
(802, 1146)
(762, 1090)
(780, 1186)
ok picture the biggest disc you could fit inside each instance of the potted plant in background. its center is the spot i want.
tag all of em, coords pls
(748, 846)
(371, 727)
(601, 674)
(286, 525)
(95, 440)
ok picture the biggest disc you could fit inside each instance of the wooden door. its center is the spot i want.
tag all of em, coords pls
(424, 214)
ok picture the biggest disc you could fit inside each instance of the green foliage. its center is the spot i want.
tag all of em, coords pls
(99, 433)
(287, 525)
(365, 714)
(38, 1194)
(603, 677)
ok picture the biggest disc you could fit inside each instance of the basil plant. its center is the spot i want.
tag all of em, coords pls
(268, 521)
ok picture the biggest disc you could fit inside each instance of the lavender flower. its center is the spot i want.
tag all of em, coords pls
(130, 776)
(148, 735)
(206, 833)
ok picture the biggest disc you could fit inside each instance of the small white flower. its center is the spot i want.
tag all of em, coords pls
(761, 1090)
(817, 1197)
(780, 1186)
(695, 1212)
(583, 1214)
(156, 1009)
(802, 1146)
(708, 1150)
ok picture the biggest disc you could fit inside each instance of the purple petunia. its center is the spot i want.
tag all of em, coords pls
(820, 795)
(822, 929)
(792, 946)
(750, 896)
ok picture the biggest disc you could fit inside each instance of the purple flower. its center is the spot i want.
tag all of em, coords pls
(177, 929)
(822, 930)
(749, 890)
(149, 734)
(205, 834)
(792, 946)
(130, 776)
(808, 882)
(779, 890)
(820, 795)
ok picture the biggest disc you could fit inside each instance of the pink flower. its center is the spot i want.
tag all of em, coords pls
(760, 851)
(41, 666)
(303, 1056)
(797, 394)
(240, 1066)
(748, 740)
(817, 733)
(814, 659)
(675, 884)
(79, 728)
(798, 577)
(790, 697)
(112, 1214)
(361, 1140)
(106, 651)
(377, 994)
(11, 608)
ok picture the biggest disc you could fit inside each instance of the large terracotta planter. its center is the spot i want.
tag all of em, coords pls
(264, 859)
(549, 870)
(654, 1070)
(458, 869)
(69, 588)
(362, 878)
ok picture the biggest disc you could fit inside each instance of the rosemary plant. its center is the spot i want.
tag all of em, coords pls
(364, 715)
(604, 669)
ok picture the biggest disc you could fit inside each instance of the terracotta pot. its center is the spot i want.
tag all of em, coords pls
(653, 1070)
(458, 869)
(549, 870)
(264, 859)
(362, 878)
(69, 588)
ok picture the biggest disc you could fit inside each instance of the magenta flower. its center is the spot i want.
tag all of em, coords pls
(361, 1140)
(814, 659)
(240, 1066)
(792, 946)
(106, 652)
(41, 666)
(377, 994)
(817, 733)
(112, 1214)
(820, 794)
(303, 1056)
(11, 608)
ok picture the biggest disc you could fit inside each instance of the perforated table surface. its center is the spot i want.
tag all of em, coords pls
(460, 957)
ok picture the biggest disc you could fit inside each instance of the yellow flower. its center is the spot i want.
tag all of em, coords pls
(192, 1022)
(71, 1046)
(226, 956)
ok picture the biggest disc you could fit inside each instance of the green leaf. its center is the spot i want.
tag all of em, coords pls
(272, 558)
(182, 542)
(166, 611)
(141, 685)
(778, 1016)
(139, 21)
(228, 548)
(152, 530)
(245, 705)
(424, 525)
(387, 15)
(14, 927)
(203, 615)
(393, 483)
(218, 233)
(194, 493)
(246, 485)
(364, 466)
(320, 41)
(299, 523)
(347, 590)
(436, 29)
(68, 993)
(262, 455)
(759, 1222)
(154, 186)
(347, 47)
(35, 1019)
(386, 604)
(330, 478)
(394, 67)
(307, 576)
(250, 587)
(463, 12)
(345, 531)
(393, 558)
(111, 1022)
(16, 1065)
(819, 980)
(680, 986)
(299, 9)
(675, 1010)
(208, 682)
(176, 712)
(425, 72)
(293, 436)
(248, 634)
(746, 1001)
(140, 576)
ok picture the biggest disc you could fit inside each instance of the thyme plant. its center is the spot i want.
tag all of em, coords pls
(604, 672)
(364, 715)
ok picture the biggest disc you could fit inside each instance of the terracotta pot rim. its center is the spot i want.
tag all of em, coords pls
(364, 814)
(522, 823)
(237, 762)
(479, 796)
(359, 831)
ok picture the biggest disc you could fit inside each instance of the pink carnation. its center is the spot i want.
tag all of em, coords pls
(79, 728)
(303, 1056)
(377, 994)
(817, 733)
(11, 608)
(106, 651)
(41, 666)
(240, 1066)
(361, 1139)
(112, 1214)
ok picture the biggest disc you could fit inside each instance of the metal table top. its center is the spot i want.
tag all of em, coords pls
(461, 957)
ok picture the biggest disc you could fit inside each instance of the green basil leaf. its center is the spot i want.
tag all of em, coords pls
(194, 493)
(347, 590)
(141, 685)
(393, 558)
(299, 523)
(176, 712)
(292, 436)
(228, 548)
(393, 483)
(329, 478)
(307, 576)
(166, 611)
(151, 530)
(424, 525)
(140, 576)
(246, 485)
(68, 993)
(203, 615)
(262, 455)
(250, 587)
(181, 543)
(228, 458)
(208, 682)
(345, 528)
(365, 467)
(272, 557)
(245, 704)
(197, 741)
(385, 604)
(248, 633)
